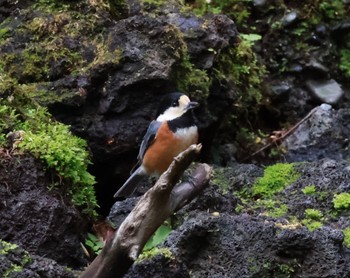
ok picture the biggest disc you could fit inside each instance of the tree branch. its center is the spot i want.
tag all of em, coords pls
(153, 208)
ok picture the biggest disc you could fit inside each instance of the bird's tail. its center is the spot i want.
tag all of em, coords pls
(131, 184)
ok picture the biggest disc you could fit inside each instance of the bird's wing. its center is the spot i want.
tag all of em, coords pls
(148, 139)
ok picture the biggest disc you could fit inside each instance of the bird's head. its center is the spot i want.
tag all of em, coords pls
(173, 106)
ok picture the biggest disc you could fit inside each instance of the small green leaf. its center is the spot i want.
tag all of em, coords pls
(159, 236)
(251, 37)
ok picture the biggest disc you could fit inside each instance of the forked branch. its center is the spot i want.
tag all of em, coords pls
(153, 208)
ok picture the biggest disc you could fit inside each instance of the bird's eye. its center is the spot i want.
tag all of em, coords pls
(174, 104)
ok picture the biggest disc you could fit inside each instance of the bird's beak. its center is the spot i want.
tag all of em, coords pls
(192, 105)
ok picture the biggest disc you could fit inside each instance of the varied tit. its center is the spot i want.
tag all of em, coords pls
(172, 132)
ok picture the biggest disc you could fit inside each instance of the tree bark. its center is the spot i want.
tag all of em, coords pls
(153, 208)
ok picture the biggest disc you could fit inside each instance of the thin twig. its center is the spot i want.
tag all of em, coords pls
(286, 134)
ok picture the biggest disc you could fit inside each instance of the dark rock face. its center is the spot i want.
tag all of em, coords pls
(245, 246)
(159, 267)
(122, 97)
(35, 217)
(213, 241)
(329, 177)
(248, 246)
(15, 262)
(324, 135)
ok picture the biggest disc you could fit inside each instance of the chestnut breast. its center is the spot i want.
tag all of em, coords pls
(167, 145)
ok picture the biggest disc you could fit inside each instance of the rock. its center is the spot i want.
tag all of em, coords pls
(158, 266)
(290, 18)
(315, 70)
(259, 3)
(329, 177)
(321, 30)
(324, 135)
(340, 30)
(35, 217)
(257, 245)
(246, 246)
(279, 91)
(16, 262)
(121, 210)
(328, 91)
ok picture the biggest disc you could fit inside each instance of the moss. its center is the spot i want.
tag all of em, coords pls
(313, 214)
(312, 224)
(152, 5)
(332, 9)
(53, 143)
(221, 180)
(8, 248)
(4, 33)
(346, 232)
(275, 179)
(309, 190)
(44, 62)
(119, 9)
(240, 67)
(313, 219)
(237, 9)
(50, 6)
(165, 252)
(341, 201)
(103, 54)
(271, 207)
(190, 79)
(264, 268)
(345, 61)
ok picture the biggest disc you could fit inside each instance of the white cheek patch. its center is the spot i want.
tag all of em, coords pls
(171, 114)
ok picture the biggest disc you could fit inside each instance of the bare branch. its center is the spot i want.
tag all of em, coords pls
(153, 208)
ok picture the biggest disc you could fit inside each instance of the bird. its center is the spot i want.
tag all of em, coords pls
(172, 132)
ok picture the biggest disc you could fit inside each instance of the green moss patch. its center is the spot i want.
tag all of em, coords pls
(51, 142)
(8, 248)
(272, 208)
(341, 201)
(346, 232)
(154, 252)
(313, 219)
(309, 190)
(275, 179)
